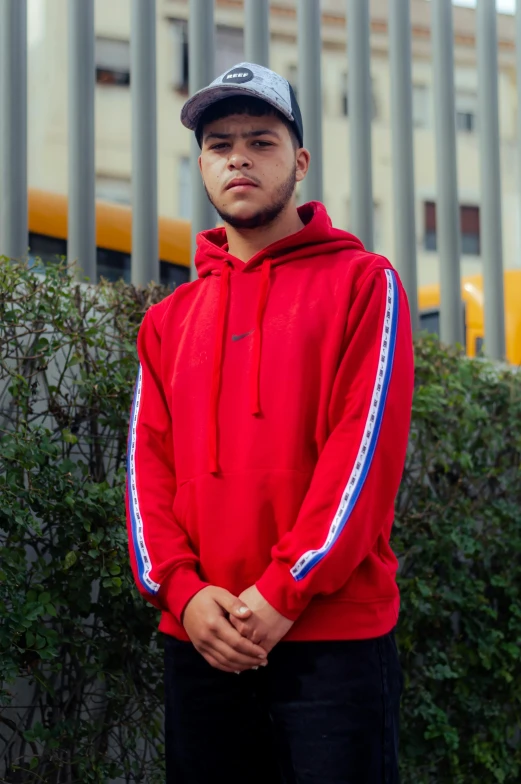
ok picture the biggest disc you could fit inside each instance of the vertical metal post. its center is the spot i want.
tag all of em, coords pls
(145, 253)
(257, 31)
(518, 78)
(403, 151)
(447, 204)
(310, 93)
(360, 116)
(13, 128)
(81, 245)
(491, 234)
(201, 68)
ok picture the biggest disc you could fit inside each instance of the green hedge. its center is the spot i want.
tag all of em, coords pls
(458, 534)
(83, 645)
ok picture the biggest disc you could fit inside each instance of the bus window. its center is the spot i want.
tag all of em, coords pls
(112, 265)
(173, 275)
(430, 321)
(47, 249)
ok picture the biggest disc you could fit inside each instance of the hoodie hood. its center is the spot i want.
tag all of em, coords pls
(316, 238)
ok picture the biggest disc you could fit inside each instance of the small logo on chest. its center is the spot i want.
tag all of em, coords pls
(244, 335)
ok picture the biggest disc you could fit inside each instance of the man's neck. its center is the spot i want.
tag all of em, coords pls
(246, 243)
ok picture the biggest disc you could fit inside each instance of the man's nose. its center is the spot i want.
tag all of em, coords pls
(239, 160)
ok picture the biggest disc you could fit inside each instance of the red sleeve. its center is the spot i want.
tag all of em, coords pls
(358, 473)
(163, 563)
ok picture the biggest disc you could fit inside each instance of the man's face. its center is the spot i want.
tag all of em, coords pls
(250, 168)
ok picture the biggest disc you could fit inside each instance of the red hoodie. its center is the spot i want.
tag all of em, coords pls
(268, 433)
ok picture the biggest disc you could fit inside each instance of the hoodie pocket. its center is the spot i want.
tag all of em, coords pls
(233, 521)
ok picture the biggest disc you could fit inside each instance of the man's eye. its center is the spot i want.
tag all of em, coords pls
(263, 144)
(219, 146)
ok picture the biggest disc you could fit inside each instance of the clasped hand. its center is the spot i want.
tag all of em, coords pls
(233, 634)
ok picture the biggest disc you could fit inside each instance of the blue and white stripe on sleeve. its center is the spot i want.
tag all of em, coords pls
(307, 562)
(144, 563)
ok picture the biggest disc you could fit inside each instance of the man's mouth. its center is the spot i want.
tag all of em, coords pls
(240, 182)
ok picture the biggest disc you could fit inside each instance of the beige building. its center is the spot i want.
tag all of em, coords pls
(48, 112)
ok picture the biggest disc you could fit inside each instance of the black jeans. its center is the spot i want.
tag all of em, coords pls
(319, 713)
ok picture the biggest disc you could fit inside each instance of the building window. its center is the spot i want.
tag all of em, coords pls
(469, 227)
(229, 50)
(420, 107)
(429, 240)
(115, 189)
(112, 58)
(470, 231)
(466, 122)
(180, 55)
(466, 112)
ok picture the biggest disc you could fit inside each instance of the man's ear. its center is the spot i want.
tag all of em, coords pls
(303, 159)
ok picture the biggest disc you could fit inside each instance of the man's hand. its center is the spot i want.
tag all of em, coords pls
(207, 621)
(264, 625)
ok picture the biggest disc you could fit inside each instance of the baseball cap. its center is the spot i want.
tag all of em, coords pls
(246, 79)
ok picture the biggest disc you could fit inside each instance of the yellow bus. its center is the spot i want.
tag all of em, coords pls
(473, 313)
(48, 239)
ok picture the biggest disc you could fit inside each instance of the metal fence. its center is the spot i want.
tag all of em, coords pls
(145, 263)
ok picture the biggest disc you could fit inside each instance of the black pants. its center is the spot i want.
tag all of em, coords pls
(319, 713)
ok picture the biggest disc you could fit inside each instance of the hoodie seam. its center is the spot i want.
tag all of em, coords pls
(373, 271)
(162, 309)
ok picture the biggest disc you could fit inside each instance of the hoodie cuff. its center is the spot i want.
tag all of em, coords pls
(181, 586)
(281, 590)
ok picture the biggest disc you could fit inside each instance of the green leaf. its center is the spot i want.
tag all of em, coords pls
(70, 559)
(69, 437)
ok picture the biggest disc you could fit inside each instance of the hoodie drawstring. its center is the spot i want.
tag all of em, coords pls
(257, 339)
(217, 362)
(218, 356)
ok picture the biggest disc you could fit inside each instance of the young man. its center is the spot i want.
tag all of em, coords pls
(267, 441)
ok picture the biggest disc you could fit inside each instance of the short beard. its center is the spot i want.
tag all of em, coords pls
(267, 215)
